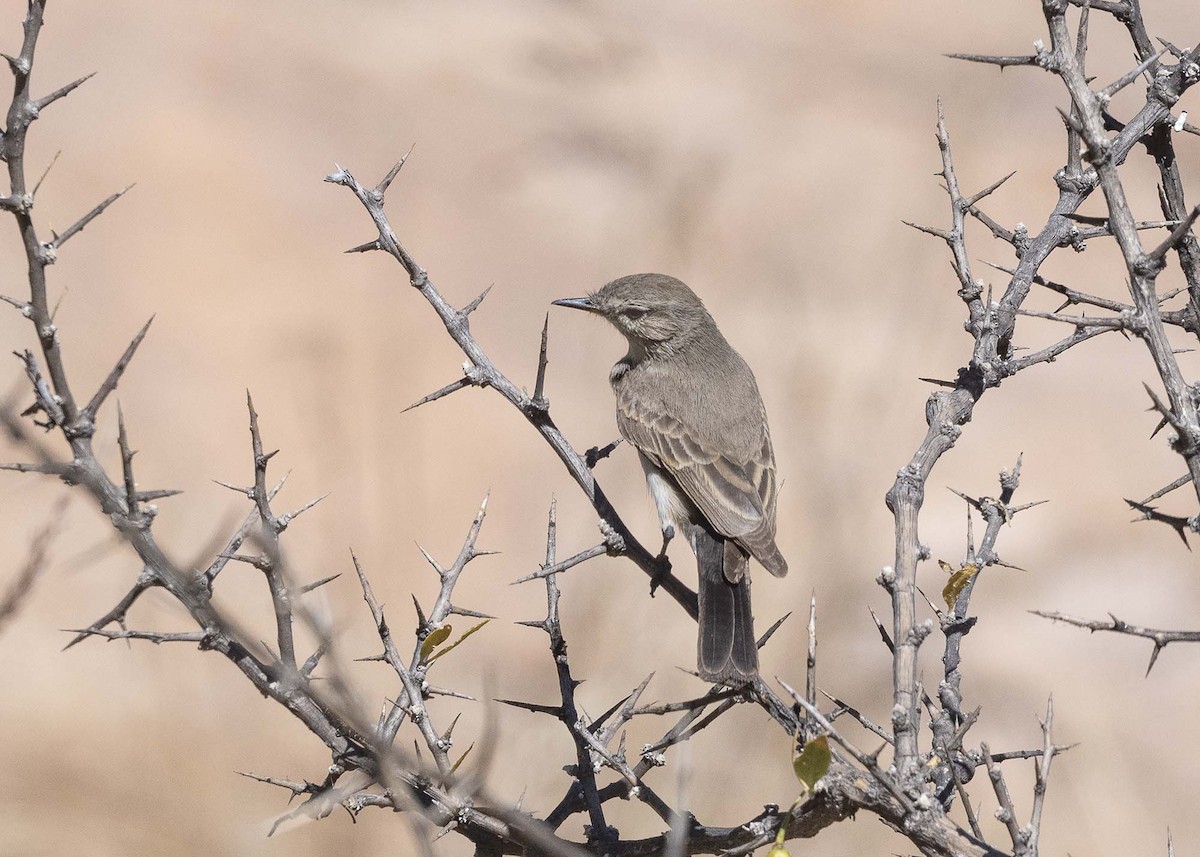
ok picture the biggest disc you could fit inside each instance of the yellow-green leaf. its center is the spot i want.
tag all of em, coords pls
(958, 582)
(434, 640)
(812, 762)
(778, 851)
(458, 642)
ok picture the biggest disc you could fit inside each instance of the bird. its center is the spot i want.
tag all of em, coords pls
(689, 404)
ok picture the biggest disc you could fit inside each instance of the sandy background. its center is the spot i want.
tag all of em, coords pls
(765, 152)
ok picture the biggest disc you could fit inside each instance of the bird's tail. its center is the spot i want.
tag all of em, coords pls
(728, 653)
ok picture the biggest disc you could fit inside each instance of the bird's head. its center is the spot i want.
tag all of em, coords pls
(654, 311)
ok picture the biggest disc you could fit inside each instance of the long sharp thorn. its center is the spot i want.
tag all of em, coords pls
(473, 614)
(127, 464)
(1175, 52)
(1003, 62)
(928, 230)
(883, 633)
(247, 492)
(433, 562)
(1130, 76)
(1178, 483)
(284, 520)
(1159, 253)
(47, 100)
(114, 377)
(309, 587)
(1071, 121)
(474, 305)
(24, 306)
(968, 203)
(452, 387)
(552, 710)
(450, 729)
(770, 632)
(1154, 657)
(539, 386)
(387, 180)
(49, 468)
(1081, 36)
(373, 244)
(157, 494)
(78, 225)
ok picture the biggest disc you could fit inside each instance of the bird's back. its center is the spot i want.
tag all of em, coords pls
(697, 412)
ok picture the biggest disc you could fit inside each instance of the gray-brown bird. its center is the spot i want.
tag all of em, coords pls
(689, 404)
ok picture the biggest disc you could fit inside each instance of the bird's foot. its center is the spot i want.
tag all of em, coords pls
(662, 565)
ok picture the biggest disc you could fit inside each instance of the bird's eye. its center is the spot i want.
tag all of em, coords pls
(633, 313)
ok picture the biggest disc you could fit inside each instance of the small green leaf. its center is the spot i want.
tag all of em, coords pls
(778, 851)
(958, 582)
(458, 642)
(434, 640)
(812, 762)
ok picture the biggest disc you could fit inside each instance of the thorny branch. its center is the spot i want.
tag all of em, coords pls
(914, 794)
(1092, 157)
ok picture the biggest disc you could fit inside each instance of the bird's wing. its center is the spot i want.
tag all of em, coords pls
(732, 495)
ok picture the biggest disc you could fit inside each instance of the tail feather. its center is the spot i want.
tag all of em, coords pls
(727, 651)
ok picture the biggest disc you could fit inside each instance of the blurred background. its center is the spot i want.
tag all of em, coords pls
(765, 152)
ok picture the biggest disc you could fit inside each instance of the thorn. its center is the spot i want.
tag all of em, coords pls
(970, 203)
(24, 307)
(366, 247)
(158, 494)
(474, 305)
(770, 632)
(539, 386)
(452, 387)
(61, 92)
(450, 729)
(1175, 52)
(552, 710)
(433, 562)
(283, 520)
(49, 468)
(114, 376)
(1003, 62)
(81, 223)
(1071, 121)
(1129, 77)
(1158, 255)
(929, 230)
(387, 180)
(248, 492)
(309, 587)
(473, 614)
(1158, 647)
(127, 454)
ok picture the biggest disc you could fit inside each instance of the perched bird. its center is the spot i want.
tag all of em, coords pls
(689, 404)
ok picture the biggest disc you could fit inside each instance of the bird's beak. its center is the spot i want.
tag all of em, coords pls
(577, 303)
